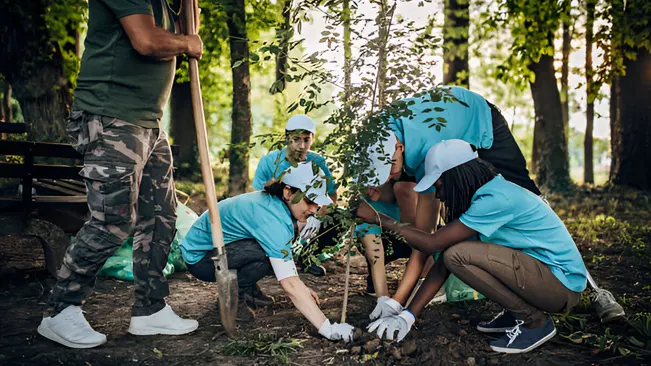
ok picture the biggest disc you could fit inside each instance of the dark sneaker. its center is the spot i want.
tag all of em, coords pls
(260, 299)
(501, 323)
(606, 306)
(245, 309)
(315, 270)
(521, 340)
(370, 288)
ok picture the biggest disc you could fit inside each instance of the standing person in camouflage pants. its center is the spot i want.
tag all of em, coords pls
(126, 76)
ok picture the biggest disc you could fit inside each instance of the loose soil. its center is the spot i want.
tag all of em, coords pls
(444, 335)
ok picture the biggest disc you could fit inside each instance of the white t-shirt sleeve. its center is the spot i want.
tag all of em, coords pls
(283, 268)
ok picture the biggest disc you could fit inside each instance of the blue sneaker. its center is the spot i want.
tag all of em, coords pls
(501, 323)
(521, 340)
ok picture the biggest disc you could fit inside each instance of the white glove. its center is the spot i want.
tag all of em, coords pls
(386, 306)
(401, 322)
(336, 331)
(311, 229)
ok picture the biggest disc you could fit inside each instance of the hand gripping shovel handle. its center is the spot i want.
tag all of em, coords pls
(226, 280)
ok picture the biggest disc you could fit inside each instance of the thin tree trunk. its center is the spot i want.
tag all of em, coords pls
(238, 178)
(348, 55)
(283, 35)
(565, 71)
(455, 38)
(384, 22)
(182, 130)
(552, 166)
(588, 172)
(615, 128)
(632, 166)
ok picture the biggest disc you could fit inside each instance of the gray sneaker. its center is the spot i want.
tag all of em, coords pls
(606, 306)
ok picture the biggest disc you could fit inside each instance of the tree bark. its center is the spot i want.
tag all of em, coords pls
(588, 163)
(552, 166)
(282, 34)
(631, 167)
(455, 38)
(33, 64)
(565, 71)
(615, 129)
(238, 178)
(183, 131)
(384, 23)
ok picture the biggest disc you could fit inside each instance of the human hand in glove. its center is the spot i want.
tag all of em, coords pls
(337, 332)
(310, 230)
(386, 306)
(401, 322)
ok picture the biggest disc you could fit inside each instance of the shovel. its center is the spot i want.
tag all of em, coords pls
(226, 280)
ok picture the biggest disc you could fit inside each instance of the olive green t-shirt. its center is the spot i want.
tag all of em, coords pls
(115, 80)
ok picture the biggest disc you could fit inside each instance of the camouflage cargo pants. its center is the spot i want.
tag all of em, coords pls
(128, 174)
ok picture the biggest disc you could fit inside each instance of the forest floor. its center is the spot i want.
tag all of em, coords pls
(611, 227)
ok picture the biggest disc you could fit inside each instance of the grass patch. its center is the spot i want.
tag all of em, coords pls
(277, 349)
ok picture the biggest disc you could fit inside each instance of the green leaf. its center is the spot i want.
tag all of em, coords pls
(158, 353)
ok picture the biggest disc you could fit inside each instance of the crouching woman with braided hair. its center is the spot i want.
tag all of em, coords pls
(525, 259)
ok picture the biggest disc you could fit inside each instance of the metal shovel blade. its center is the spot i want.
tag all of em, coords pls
(227, 292)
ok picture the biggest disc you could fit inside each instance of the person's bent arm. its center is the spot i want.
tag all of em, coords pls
(153, 41)
(410, 276)
(303, 301)
(433, 282)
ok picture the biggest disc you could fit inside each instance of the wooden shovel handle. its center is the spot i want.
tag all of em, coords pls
(202, 135)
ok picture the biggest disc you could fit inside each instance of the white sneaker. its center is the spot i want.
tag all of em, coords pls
(165, 321)
(71, 329)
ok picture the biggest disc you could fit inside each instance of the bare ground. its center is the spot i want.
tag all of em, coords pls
(444, 334)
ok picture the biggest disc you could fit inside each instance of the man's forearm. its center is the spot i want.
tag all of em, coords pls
(165, 45)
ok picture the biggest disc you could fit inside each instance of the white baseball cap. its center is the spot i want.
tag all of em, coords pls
(310, 179)
(300, 122)
(442, 157)
(380, 156)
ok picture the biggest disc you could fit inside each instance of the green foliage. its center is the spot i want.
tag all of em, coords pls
(277, 349)
(63, 19)
(624, 29)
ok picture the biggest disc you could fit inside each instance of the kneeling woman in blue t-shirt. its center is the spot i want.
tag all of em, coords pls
(258, 230)
(525, 259)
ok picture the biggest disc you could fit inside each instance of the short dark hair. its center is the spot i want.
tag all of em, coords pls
(276, 189)
(460, 183)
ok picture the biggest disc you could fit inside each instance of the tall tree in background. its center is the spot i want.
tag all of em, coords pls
(38, 59)
(183, 131)
(348, 54)
(455, 42)
(238, 177)
(284, 32)
(533, 24)
(568, 29)
(588, 166)
(633, 131)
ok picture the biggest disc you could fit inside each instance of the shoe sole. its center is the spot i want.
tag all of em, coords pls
(47, 333)
(613, 317)
(155, 331)
(494, 330)
(528, 349)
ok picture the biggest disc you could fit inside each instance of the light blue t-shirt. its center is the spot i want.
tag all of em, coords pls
(274, 164)
(506, 214)
(255, 215)
(472, 124)
(388, 208)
